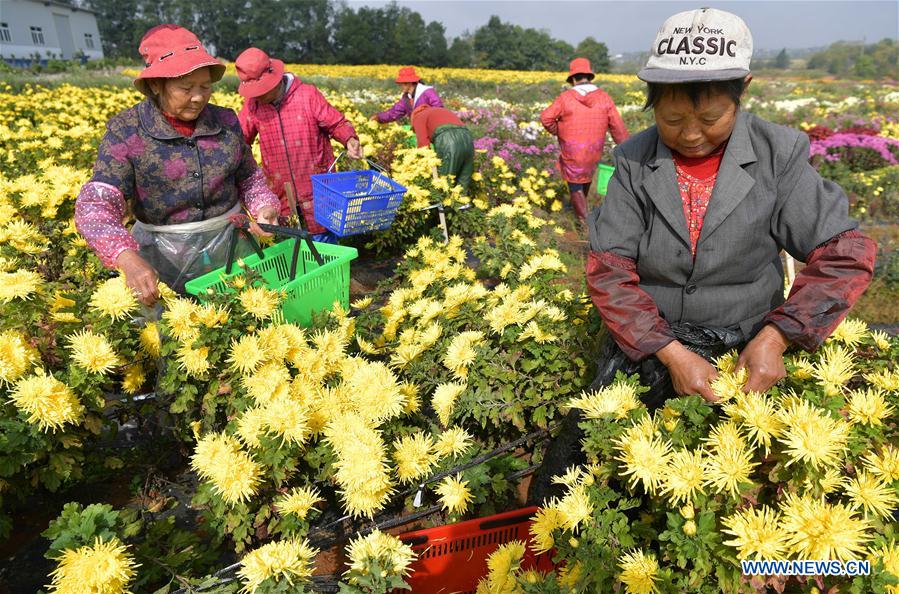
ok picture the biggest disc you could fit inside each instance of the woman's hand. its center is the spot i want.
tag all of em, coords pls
(374, 118)
(140, 277)
(267, 215)
(354, 149)
(690, 373)
(763, 359)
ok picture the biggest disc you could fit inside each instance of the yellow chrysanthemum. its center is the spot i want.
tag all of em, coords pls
(250, 426)
(362, 303)
(888, 553)
(816, 529)
(502, 566)
(233, 473)
(884, 379)
(575, 507)
(870, 493)
(645, 459)
(868, 407)
(729, 384)
(16, 356)
(454, 494)
(412, 397)
(103, 568)
(246, 354)
(444, 400)
(413, 456)
(21, 284)
(546, 520)
(885, 463)
(92, 352)
(881, 340)
(460, 353)
(287, 560)
(546, 261)
(298, 501)
(850, 332)
(288, 419)
(48, 402)
(757, 533)
(361, 468)
(639, 572)
(114, 299)
(150, 341)
(454, 441)
(617, 399)
(835, 367)
(260, 302)
(803, 369)
(393, 554)
(757, 415)
(268, 382)
(727, 468)
(811, 436)
(194, 361)
(181, 318)
(684, 476)
(135, 378)
(373, 388)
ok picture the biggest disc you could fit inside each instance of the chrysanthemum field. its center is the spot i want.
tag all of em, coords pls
(218, 449)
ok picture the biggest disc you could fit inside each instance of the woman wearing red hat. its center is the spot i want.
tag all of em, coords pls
(179, 164)
(295, 125)
(415, 93)
(580, 118)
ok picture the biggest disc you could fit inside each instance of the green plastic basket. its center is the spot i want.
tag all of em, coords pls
(603, 175)
(314, 289)
(411, 141)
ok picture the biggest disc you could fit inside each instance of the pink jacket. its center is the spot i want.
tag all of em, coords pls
(580, 118)
(294, 139)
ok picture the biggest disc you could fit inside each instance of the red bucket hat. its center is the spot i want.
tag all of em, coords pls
(579, 66)
(407, 75)
(170, 51)
(258, 73)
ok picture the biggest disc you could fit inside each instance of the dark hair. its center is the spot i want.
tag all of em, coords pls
(695, 90)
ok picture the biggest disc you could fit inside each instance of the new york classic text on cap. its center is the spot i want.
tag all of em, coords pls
(699, 45)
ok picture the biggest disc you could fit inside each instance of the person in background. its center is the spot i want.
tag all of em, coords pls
(451, 139)
(295, 125)
(179, 164)
(415, 93)
(580, 117)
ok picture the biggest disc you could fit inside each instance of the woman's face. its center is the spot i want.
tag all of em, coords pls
(408, 87)
(186, 96)
(695, 130)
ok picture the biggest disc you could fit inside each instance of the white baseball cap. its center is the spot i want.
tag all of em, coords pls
(699, 45)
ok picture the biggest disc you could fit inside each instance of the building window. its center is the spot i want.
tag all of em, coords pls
(4, 33)
(89, 40)
(37, 36)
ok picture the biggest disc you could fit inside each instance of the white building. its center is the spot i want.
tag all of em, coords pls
(48, 30)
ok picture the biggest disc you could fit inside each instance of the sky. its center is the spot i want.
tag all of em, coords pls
(630, 25)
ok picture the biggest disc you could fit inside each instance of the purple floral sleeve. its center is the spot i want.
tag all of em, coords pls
(99, 212)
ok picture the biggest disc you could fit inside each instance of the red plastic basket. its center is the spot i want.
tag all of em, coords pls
(453, 558)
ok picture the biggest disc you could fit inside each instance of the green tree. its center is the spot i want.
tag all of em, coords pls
(782, 60)
(596, 52)
(435, 52)
(461, 52)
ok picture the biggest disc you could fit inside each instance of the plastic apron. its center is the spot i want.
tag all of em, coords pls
(185, 251)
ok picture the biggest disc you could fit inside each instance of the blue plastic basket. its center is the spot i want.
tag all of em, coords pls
(353, 202)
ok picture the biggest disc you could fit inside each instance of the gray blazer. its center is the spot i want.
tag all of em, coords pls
(767, 198)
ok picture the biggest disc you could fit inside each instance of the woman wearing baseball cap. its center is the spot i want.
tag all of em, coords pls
(179, 164)
(684, 259)
(415, 93)
(687, 243)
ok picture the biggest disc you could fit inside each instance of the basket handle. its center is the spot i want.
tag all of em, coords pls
(380, 168)
(242, 225)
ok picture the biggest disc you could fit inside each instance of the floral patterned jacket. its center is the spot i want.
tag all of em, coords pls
(166, 177)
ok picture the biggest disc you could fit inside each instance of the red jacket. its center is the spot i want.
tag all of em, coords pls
(580, 118)
(294, 138)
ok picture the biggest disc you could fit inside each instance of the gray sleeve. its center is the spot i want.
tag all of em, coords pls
(618, 224)
(810, 210)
